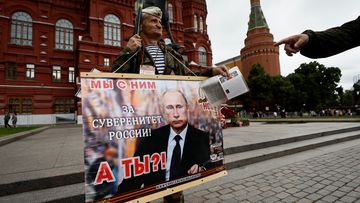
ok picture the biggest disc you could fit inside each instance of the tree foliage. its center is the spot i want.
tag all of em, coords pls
(348, 99)
(319, 83)
(260, 84)
(312, 86)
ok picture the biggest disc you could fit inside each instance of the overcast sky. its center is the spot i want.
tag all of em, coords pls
(227, 22)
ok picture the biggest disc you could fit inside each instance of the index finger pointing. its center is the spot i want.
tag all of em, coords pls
(279, 42)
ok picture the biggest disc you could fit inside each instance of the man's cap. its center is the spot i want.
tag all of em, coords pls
(153, 10)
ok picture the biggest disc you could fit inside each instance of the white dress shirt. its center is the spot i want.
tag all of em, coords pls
(171, 146)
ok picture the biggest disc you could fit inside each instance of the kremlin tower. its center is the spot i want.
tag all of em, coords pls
(259, 48)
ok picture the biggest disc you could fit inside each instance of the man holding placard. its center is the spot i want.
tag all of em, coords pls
(147, 53)
(153, 56)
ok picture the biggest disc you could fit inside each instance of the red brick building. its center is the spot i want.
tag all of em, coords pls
(45, 44)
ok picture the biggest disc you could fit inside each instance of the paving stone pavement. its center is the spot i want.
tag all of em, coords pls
(333, 177)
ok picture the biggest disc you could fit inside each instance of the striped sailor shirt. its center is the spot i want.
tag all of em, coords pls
(158, 57)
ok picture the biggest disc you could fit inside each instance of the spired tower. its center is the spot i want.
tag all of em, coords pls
(259, 48)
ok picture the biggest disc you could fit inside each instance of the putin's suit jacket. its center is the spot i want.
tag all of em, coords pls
(196, 151)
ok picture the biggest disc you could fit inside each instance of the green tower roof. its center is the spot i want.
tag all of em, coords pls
(257, 18)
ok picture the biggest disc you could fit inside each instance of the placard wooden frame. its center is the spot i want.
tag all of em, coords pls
(139, 76)
(172, 190)
(169, 190)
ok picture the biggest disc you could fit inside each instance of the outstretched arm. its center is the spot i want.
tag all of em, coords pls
(211, 71)
(332, 41)
(325, 43)
(220, 70)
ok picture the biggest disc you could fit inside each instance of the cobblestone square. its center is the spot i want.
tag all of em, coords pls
(305, 181)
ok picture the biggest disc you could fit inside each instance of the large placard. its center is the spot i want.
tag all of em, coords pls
(144, 134)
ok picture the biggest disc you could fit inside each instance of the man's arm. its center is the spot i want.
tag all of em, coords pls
(212, 71)
(332, 41)
(325, 43)
(124, 55)
(184, 68)
(132, 46)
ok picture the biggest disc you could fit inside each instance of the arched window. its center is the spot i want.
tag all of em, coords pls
(201, 23)
(195, 23)
(202, 56)
(171, 13)
(21, 29)
(64, 35)
(112, 34)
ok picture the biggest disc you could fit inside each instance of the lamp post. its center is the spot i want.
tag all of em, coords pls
(357, 100)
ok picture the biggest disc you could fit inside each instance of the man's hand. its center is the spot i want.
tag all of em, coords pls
(195, 169)
(294, 43)
(134, 43)
(220, 70)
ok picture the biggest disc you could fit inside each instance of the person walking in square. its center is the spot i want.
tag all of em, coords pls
(6, 120)
(14, 119)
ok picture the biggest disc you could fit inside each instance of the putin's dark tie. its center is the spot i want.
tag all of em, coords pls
(175, 159)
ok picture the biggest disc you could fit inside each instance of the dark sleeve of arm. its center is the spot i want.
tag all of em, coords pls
(332, 41)
(124, 55)
(205, 71)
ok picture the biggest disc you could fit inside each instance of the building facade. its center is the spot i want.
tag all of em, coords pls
(45, 44)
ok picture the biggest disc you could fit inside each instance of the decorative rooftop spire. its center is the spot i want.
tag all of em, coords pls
(255, 3)
(257, 18)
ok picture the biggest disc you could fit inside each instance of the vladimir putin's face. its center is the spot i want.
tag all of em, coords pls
(176, 110)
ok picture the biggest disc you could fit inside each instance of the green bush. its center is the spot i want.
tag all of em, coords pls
(238, 122)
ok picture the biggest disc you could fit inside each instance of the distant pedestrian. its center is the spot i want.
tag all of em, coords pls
(14, 119)
(6, 120)
(283, 113)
